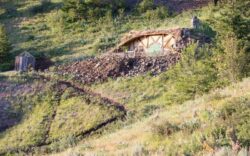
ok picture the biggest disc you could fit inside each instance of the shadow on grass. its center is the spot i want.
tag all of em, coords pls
(11, 11)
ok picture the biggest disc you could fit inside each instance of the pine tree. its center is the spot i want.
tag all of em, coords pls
(74, 9)
(90, 9)
(4, 45)
(233, 39)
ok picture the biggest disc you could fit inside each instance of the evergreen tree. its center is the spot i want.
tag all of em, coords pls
(233, 39)
(74, 9)
(146, 5)
(90, 9)
(4, 45)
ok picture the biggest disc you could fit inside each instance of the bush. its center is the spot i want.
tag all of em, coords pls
(232, 24)
(4, 49)
(56, 22)
(233, 60)
(152, 11)
(195, 74)
(88, 10)
(237, 114)
(4, 44)
(160, 12)
(5, 66)
(164, 128)
(146, 5)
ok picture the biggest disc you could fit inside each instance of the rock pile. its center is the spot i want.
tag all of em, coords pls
(100, 69)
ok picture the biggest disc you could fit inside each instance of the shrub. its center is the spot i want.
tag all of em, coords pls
(4, 50)
(233, 59)
(164, 128)
(160, 12)
(88, 10)
(236, 114)
(194, 74)
(232, 24)
(4, 44)
(5, 66)
(146, 5)
(56, 23)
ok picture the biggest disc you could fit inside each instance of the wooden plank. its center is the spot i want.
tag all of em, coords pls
(167, 40)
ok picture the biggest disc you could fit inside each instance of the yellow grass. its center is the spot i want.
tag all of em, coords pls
(126, 140)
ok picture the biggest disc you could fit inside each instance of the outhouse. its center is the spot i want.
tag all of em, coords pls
(24, 62)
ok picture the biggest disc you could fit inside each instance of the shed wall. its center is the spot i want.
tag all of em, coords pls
(153, 45)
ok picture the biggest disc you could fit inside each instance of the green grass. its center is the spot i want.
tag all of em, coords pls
(49, 115)
(46, 33)
(145, 94)
(31, 131)
(159, 122)
(75, 116)
(197, 127)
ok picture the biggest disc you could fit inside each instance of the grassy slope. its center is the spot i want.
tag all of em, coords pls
(74, 116)
(45, 32)
(50, 115)
(187, 124)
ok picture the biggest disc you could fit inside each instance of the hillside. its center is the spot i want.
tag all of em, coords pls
(125, 77)
(41, 30)
(197, 127)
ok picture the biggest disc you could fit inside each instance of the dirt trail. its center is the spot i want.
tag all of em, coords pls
(91, 95)
(84, 90)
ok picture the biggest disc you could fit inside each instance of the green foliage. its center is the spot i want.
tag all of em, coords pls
(70, 118)
(194, 74)
(233, 61)
(4, 49)
(90, 9)
(232, 24)
(152, 11)
(160, 12)
(32, 129)
(164, 128)
(234, 19)
(206, 123)
(205, 29)
(200, 70)
(146, 5)
(237, 114)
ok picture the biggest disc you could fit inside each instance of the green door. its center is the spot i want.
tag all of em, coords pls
(154, 49)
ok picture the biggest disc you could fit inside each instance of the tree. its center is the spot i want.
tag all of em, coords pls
(91, 9)
(146, 5)
(4, 45)
(233, 39)
(74, 9)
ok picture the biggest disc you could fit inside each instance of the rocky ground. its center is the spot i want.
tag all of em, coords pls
(100, 69)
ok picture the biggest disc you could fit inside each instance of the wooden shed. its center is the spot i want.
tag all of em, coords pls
(24, 61)
(151, 42)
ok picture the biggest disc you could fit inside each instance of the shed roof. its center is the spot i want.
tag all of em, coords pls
(25, 54)
(133, 35)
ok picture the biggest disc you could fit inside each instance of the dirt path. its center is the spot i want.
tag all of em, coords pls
(83, 90)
